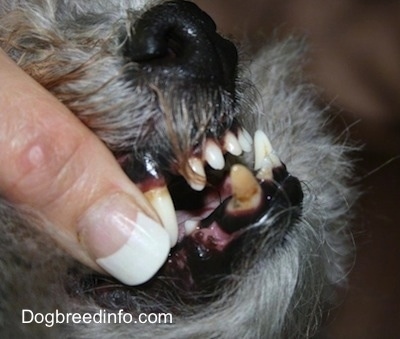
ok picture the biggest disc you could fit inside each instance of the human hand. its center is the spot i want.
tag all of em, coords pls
(55, 166)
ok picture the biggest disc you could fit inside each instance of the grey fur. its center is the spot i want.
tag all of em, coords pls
(281, 292)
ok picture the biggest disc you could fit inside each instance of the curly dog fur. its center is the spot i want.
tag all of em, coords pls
(75, 50)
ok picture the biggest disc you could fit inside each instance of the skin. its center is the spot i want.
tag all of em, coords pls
(52, 164)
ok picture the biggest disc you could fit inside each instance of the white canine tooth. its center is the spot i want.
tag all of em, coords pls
(190, 226)
(197, 182)
(265, 172)
(276, 162)
(231, 144)
(262, 148)
(213, 155)
(247, 136)
(244, 140)
(161, 200)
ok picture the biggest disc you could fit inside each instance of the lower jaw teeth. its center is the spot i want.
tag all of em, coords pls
(190, 226)
(246, 191)
(247, 201)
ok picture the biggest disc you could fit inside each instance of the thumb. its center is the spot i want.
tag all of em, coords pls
(52, 164)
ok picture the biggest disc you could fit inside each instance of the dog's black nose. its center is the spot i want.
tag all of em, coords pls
(177, 39)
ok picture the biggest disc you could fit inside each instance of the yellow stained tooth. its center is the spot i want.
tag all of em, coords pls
(161, 200)
(199, 180)
(246, 191)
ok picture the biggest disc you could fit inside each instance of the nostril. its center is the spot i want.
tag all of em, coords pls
(174, 48)
(155, 39)
(177, 39)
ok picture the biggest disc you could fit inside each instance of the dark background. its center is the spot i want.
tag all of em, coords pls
(354, 58)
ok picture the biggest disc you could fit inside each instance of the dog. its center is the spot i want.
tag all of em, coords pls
(260, 186)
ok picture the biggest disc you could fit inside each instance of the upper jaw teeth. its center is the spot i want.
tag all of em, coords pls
(231, 144)
(245, 140)
(265, 158)
(161, 200)
(243, 181)
(262, 148)
(198, 181)
(213, 155)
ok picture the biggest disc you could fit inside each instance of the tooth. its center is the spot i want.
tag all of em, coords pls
(262, 148)
(213, 155)
(190, 226)
(245, 141)
(161, 200)
(151, 182)
(198, 182)
(231, 144)
(276, 162)
(246, 192)
(247, 136)
(265, 172)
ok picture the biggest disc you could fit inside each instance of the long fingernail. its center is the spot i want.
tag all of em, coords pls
(123, 240)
